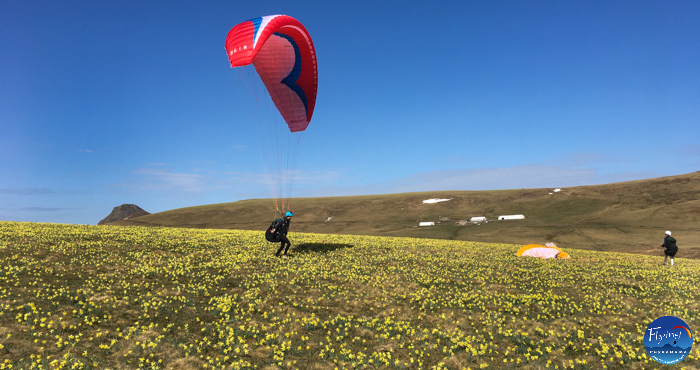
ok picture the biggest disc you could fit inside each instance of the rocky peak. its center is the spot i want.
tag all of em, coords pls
(123, 212)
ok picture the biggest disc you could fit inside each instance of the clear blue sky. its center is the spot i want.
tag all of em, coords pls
(111, 102)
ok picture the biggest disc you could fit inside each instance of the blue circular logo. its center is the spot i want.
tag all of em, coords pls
(668, 340)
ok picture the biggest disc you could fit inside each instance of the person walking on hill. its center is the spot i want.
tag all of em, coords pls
(670, 247)
(278, 233)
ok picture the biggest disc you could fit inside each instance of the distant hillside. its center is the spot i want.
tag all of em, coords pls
(627, 217)
(123, 212)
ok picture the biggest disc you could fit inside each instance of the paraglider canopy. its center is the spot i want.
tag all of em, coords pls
(283, 54)
(277, 51)
(542, 251)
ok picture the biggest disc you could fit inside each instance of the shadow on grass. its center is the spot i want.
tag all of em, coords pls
(318, 247)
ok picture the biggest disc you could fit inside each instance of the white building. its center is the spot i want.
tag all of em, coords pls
(511, 217)
(477, 219)
(427, 224)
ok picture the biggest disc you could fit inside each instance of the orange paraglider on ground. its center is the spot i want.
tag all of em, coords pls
(550, 250)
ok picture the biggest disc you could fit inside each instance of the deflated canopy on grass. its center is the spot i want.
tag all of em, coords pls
(542, 251)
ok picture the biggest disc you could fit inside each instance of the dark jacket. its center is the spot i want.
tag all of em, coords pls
(283, 228)
(670, 247)
(280, 227)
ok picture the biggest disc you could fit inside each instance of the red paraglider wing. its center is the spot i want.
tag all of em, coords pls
(283, 54)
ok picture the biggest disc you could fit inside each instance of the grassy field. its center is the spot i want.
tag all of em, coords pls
(628, 217)
(98, 297)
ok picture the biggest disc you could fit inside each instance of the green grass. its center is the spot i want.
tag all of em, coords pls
(131, 297)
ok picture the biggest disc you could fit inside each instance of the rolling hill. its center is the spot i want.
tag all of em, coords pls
(626, 217)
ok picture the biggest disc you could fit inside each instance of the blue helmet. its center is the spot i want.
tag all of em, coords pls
(289, 214)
